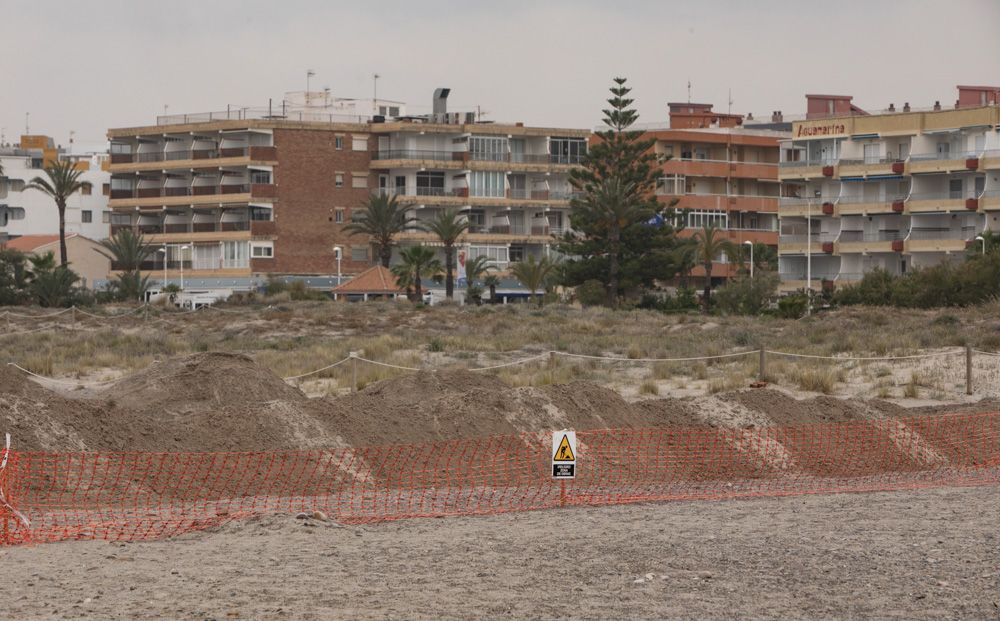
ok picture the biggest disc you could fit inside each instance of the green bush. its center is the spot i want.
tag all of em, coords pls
(591, 293)
(684, 299)
(299, 291)
(793, 306)
(747, 296)
(275, 286)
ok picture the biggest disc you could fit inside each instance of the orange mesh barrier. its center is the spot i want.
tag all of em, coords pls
(131, 496)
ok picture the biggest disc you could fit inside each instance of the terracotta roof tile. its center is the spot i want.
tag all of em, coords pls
(376, 279)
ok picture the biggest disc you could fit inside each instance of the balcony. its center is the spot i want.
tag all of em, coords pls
(939, 239)
(730, 202)
(852, 241)
(391, 158)
(804, 169)
(720, 168)
(800, 243)
(193, 158)
(862, 206)
(938, 202)
(944, 162)
(207, 194)
(868, 166)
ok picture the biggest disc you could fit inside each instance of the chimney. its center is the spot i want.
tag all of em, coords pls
(749, 116)
(441, 101)
(937, 106)
(892, 107)
(958, 104)
(906, 107)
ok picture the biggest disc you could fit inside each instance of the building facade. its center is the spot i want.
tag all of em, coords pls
(233, 198)
(896, 190)
(30, 212)
(721, 172)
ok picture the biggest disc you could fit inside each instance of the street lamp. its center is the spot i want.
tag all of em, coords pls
(980, 238)
(337, 253)
(164, 251)
(750, 243)
(183, 248)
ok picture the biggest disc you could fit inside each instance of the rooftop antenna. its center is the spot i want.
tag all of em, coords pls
(730, 101)
(309, 74)
(71, 134)
(689, 90)
(375, 78)
(27, 128)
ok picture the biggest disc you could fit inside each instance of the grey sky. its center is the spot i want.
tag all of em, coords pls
(90, 65)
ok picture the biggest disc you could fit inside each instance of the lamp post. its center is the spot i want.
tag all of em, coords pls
(183, 248)
(165, 255)
(337, 253)
(981, 239)
(750, 243)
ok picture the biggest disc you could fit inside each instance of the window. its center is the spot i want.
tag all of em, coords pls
(260, 214)
(359, 181)
(16, 185)
(262, 251)
(359, 143)
(488, 148)
(121, 219)
(567, 150)
(338, 142)
(338, 180)
(86, 216)
(10, 213)
(671, 184)
(207, 256)
(338, 216)
(430, 183)
(668, 150)
(234, 254)
(495, 254)
(516, 254)
(955, 188)
(698, 219)
(486, 183)
(359, 254)
(120, 147)
(262, 177)
(872, 153)
(86, 189)
(122, 183)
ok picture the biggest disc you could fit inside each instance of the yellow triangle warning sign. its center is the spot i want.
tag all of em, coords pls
(564, 452)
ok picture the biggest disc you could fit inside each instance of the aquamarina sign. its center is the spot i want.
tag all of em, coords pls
(821, 130)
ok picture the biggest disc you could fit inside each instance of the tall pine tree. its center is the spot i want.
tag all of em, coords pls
(622, 235)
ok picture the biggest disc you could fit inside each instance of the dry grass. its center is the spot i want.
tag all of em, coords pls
(291, 338)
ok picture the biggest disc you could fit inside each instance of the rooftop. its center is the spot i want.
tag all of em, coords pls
(374, 280)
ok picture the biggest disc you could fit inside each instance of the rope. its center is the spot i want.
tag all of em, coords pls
(114, 316)
(386, 364)
(611, 358)
(29, 316)
(329, 366)
(25, 331)
(985, 353)
(509, 364)
(864, 358)
(59, 381)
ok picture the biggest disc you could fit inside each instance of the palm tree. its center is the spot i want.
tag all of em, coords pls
(710, 245)
(448, 226)
(533, 274)
(128, 251)
(492, 281)
(416, 262)
(382, 219)
(685, 253)
(474, 270)
(63, 181)
(611, 207)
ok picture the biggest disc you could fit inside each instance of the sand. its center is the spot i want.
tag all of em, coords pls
(906, 555)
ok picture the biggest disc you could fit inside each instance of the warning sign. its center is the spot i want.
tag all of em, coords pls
(563, 454)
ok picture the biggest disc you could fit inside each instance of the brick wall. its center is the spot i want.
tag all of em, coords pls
(307, 198)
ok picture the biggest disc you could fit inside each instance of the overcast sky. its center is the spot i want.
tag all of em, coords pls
(87, 66)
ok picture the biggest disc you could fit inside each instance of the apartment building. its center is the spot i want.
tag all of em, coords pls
(898, 189)
(510, 182)
(722, 171)
(233, 197)
(29, 212)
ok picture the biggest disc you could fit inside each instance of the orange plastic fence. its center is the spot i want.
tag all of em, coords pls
(132, 496)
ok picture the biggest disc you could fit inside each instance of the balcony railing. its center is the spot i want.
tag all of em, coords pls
(256, 152)
(799, 238)
(829, 161)
(262, 190)
(944, 196)
(184, 227)
(802, 275)
(934, 233)
(417, 154)
(878, 236)
(947, 155)
(449, 156)
(869, 160)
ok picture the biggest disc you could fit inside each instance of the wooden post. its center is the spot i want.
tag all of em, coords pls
(72, 314)
(354, 371)
(552, 359)
(762, 365)
(968, 369)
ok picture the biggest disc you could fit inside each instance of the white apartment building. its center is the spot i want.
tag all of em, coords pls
(30, 212)
(897, 190)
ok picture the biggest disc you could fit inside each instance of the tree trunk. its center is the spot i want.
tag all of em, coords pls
(385, 253)
(449, 263)
(493, 294)
(708, 287)
(62, 233)
(613, 269)
(416, 286)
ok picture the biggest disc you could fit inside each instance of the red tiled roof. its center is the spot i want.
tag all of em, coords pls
(375, 279)
(30, 243)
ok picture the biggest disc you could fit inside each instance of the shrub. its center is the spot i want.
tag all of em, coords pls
(793, 306)
(591, 293)
(649, 387)
(747, 296)
(275, 286)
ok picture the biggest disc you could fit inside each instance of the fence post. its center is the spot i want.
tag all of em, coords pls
(72, 314)
(762, 365)
(968, 369)
(354, 371)
(552, 359)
